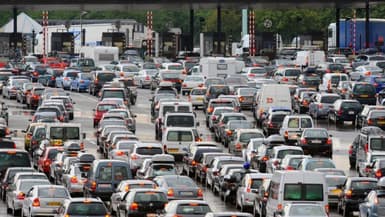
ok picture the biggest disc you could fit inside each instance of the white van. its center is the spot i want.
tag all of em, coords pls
(310, 58)
(296, 186)
(177, 140)
(331, 80)
(100, 54)
(220, 66)
(270, 95)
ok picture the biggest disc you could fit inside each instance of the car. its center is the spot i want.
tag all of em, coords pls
(196, 96)
(316, 141)
(44, 200)
(277, 154)
(101, 108)
(49, 78)
(364, 93)
(240, 138)
(190, 82)
(246, 96)
(344, 110)
(12, 85)
(158, 165)
(363, 115)
(378, 81)
(308, 81)
(315, 163)
(178, 187)
(81, 82)
(248, 189)
(353, 192)
(32, 99)
(364, 71)
(17, 193)
(376, 168)
(68, 103)
(83, 206)
(272, 123)
(195, 208)
(213, 91)
(126, 70)
(98, 79)
(343, 89)
(372, 204)
(203, 164)
(302, 209)
(293, 125)
(123, 189)
(142, 203)
(8, 178)
(192, 159)
(228, 214)
(65, 80)
(302, 102)
(212, 170)
(254, 72)
(23, 92)
(291, 161)
(213, 119)
(220, 128)
(335, 183)
(250, 151)
(143, 77)
(143, 151)
(75, 176)
(286, 75)
(374, 118)
(320, 104)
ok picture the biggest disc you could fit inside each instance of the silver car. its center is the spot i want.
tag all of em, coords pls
(143, 151)
(81, 206)
(128, 117)
(17, 192)
(191, 208)
(143, 78)
(122, 149)
(197, 96)
(192, 81)
(321, 104)
(75, 177)
(179, 187)
(44, 200)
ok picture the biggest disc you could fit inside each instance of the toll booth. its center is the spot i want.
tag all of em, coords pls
(7, 42)
(114, 39)
(62, 42)
(210, 44)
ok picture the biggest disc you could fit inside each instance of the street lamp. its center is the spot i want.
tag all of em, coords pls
(81, 27)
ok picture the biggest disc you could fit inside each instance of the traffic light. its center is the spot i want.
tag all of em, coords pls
(174, 40)
(24, 44)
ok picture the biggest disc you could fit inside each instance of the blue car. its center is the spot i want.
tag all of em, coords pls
(373, 205)
(377, 81)
(65, 80)
(81, 82)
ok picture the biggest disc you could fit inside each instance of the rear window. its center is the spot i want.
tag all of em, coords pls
(150, 197)
(72, 74)
(180, 121)
(364, 185)
(87, 209)
(170, 75)
(184, 109)
(220, 89)
(182, 136)
(14, 159)
(351, 105)
(337, 79)
(120, 173)
(306, 210)
(335, 181)
(377, 114)
(53, 192)
(247, 92)
(52, 153)
(245, 137)
(377, 144)
(255, 183)
(231, 118)
(303, 192)
(312, 165)
(26, 186)
(258, 71)
(180, 182)
(106, 76)
(316, 134)
(329, 99)
(283, 153)
(193, 209)
(292, 72)
(105, 107)
(241, 125)
(338, 67)
(364, 89)
(278, 118)
(294, 162)
(161, 170)
(113, 94)
(305, 123)
(85, 76)
(65, 133)
(149, 150)
(198, 92)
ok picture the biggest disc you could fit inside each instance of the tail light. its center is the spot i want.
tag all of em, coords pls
(276, 162)
(134, 206)
(74, 179)
(348, 193)
(328, 71)
(66, 79)
(36, 202)
(238, 146)
(210, 109)
(368, 73)
(271, 125)
(265, 158)
(329, 141)
(35, 96)
(289, 168)
(126, 188)
(93, 186)
(20, 196)
(216, 173)
(214, 118)
(366, 148)
(204, 169)
(286, 134)
(35, 73)
(279, 207)
(339, 112)
(303, 82)
(378, 173)
(184, 85)
(147, 78)
(61, 118)
(189, 98)
(285, 79)
(47, 163)
(241, 99)
(170, 192)
(193, 163)
(305, 103)
(81, 81)
(96, 81)
(29, 136)
(198, 139)
(351, 150)
(370, 122)
(320, 106)
(119, 153)
(375, 84)
(327, 209)
(200, 193)
(134, 157)
(229, 132)
(165, 147)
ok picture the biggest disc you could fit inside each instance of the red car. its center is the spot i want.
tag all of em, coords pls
(32, 99)
(101, 108)
(46, 158)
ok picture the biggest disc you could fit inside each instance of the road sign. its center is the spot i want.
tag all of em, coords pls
(267, 23)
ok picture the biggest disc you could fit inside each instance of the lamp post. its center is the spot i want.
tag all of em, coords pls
(81, 27)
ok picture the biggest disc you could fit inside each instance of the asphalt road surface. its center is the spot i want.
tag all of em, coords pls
(19, 117)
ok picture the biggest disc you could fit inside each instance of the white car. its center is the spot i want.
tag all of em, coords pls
(143, 78)
(254, 72)
(126, 70)
(365, 71)
(197, 96)
(191, 82)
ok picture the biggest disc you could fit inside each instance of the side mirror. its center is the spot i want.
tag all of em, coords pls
(198, 124)
(151, 100)
(330, 135)
(93, 109)
(23, 131)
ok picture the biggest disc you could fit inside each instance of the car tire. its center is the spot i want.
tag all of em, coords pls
(78, 89)
(346, 212)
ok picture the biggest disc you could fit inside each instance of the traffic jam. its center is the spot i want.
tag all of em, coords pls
(252, 133)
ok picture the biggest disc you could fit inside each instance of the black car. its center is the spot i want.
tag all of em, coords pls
(363, 92)
(308, 80)
(316, 141)
(49, 78)
(273, 122)
(344, 110)
(353, 193)
(353, 152)
(264, 152)
(213, 92)
(99, 78)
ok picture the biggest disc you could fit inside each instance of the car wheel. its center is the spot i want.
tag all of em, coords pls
(346, 212)
(255, 213)
(141, 84)
(78, 89)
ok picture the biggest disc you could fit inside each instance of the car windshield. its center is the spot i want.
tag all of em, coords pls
(147, 197)
(303, 192)
(329, 99)
(231, 118)
(236, 81)
(194, 79)
(4, 77)
(181, 136)
(377, 115)
(14, 159)
(109, 173)
(316, 133)
(26, 185)
(149, 66)
(180, 181)
(337, 78)
(363, 185)
(169, 75)
(126, 145)
(306, 210)
(162, 170)
(312, 165)
(72, 74)
(198, 91)
(351, 105)
(19, 83)
(130, 69)
(364, 89)
(245, 137)
(175, 67)
(106, 107)
(259, 71)
(341, 60)
(377, 144)
(52, 192)
(106, 76)
(336, 67)
(65, 133)
(240, 125)
(295, 161)
(255, 183)
(86, 63)
(87, 209)
(149, 150)
(247, 91)
(213, 81)
(193, 209)
(278, 118)
(84, 76)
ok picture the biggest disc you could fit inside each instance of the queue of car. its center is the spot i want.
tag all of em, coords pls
(278, 164)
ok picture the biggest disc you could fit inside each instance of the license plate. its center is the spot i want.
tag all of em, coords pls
(151, 215)
(336, 191)
(317, 141)
(186, 193)
(351, 113)
(54, 203)
(56, 142)
(200, 98)
(173, 150)
(364, 96)
(104, 185)
(381, 122)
